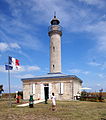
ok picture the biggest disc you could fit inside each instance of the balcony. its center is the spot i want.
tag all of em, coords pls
(54, 29)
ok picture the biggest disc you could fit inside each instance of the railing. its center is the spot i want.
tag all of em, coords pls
(54, 28)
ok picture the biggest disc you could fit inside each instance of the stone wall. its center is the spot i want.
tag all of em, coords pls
(68, 88)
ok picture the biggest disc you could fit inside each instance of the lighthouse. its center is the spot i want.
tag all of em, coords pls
(64, 86)
(55, 33)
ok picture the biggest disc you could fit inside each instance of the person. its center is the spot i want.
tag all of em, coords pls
(17, 97)
(53, 98)
(1, 90)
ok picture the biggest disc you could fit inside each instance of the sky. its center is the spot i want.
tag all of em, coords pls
(24, 36)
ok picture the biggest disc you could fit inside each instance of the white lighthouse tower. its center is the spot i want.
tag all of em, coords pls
(55, 33)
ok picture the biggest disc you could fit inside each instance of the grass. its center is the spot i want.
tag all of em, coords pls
(74, 110)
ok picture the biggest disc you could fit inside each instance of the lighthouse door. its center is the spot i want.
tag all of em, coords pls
(46, 91)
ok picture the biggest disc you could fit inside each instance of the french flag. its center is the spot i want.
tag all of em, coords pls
(14, 62)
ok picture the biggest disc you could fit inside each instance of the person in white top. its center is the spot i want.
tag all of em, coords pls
(53, 102)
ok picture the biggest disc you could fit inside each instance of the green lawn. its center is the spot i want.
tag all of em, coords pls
(74, 110)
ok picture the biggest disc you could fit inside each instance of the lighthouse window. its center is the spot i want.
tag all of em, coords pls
(53, 49)
(53, 66)
(55, 23)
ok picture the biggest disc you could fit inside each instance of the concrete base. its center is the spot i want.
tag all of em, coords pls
(27, 104)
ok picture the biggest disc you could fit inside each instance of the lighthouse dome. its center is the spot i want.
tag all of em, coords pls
(55, 21)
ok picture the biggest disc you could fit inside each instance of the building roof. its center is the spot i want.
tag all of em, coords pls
(52, 75)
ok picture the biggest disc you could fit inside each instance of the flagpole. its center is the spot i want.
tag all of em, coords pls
(10, 103)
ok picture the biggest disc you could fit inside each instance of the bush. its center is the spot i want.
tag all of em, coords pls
(89, 97)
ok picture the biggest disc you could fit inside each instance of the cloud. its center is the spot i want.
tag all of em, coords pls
(18, 26)
(74, 18)
(98, 3)
(101, 75)
(99, 34)
(16, 87)
(25, 76)
(93, 63)
(25, 68)
(101, 45)
(6, 47)
(102, 65)
(39, 11)
(79, 71)
(98, 84)
(28, 68)
(14, 45)
(2, 68)
(75, 71)
(33, 68)
(85, 72)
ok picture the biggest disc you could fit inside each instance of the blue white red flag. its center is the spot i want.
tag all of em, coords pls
(8, 67)
(14, 62)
